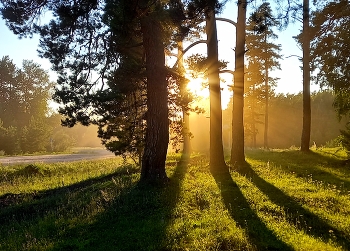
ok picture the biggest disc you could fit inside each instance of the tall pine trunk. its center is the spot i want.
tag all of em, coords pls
(305, 137)
(157, 130)
(237, 150)
(217, 162)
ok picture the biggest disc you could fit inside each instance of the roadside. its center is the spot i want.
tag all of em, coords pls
(78, 154)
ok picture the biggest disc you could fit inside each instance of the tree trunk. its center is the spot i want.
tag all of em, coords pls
(186, 149)
(266, 125)
(237, 150)
(217, 162)
(157, 131)
(305, 136)
(253, 118)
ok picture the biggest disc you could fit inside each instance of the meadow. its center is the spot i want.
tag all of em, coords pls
(279, 200)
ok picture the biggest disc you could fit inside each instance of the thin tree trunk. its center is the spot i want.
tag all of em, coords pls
(217, 162)
(266, 125)
(186, 149)
(305, 137)
(253, 118)
(157, 131)
(237, 150)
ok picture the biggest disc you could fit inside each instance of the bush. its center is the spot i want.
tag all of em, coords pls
(345, 139)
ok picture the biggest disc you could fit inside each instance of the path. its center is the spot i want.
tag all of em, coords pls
(81, 154)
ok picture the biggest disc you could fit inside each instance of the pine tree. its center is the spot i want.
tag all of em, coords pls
(237, 150)
(330, 33)
(263, 53)
(109, 57)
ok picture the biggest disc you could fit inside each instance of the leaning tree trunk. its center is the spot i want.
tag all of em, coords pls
(217, 162)
(305, 136)
(157, 130)
(237, 150)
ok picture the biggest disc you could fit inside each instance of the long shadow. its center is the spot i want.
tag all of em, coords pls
(296, 214)
(258, 233)
(291, 161)
(29, 205)
(135, 220)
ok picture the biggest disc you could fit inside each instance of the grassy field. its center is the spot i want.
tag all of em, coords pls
(280, 200)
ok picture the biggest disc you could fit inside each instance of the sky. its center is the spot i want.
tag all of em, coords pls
(290, 74)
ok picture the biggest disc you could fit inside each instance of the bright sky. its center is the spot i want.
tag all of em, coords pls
(290, 75)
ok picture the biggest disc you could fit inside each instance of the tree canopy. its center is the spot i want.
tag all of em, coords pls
(109, 56)
(330, 50)
(25, 124)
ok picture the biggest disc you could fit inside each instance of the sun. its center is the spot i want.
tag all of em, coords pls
(199, 88)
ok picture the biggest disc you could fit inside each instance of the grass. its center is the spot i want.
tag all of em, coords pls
(280, 200)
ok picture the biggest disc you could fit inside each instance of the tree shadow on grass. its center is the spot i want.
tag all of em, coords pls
(111, 212)
(135, 220)
(258, 233)
(36, 204)
(292, 161)
(296, 214)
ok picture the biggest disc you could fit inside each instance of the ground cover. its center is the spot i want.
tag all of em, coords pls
(279, 200)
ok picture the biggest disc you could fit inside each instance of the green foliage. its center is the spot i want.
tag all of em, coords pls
(24, 96)
(263, 56)
(345, 139)
(281, 200)
(330, 49)
(24, 92)
(35, 136)
(9, 139)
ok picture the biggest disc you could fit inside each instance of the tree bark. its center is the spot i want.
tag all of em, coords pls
(157, 130)
(237, 150)
(217, 161)
(305, 136)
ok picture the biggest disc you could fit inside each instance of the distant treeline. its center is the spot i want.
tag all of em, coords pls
(285, 123)
(26, 123)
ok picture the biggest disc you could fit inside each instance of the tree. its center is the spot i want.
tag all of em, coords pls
(306, 133)
(106, 54)
(9, 142)
(35, 136)
(237, 150)
(9, 99)
(329, 54)
(24, 92)
(262, 52)
(330, 49)
(217, 162)
(24, 105)
(186, 136)
(254, 99)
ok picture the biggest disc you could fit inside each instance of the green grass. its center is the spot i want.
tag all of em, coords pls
(279, 200)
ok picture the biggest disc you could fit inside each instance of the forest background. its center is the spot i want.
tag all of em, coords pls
(285, 106)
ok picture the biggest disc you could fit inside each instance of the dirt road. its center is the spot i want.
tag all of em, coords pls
(80, 154)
